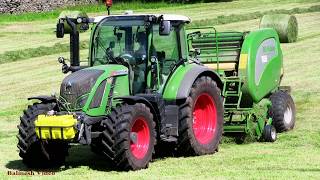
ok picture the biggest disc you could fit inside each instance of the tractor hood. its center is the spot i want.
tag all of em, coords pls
(87, 89)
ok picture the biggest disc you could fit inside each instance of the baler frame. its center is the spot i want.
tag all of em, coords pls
(251, 123)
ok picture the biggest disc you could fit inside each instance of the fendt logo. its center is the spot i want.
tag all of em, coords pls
(68, 87)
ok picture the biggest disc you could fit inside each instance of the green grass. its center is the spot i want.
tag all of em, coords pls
(85, 8)
(41, 32)
(192, 10)
(21, 54)
(28, 53)
(295, 155)
(256, 15)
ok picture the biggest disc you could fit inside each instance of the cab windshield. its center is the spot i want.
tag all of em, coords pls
(115, 39)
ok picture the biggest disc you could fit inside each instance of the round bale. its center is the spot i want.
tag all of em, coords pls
(285, 25)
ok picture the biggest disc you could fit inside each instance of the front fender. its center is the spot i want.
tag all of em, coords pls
(140, 99)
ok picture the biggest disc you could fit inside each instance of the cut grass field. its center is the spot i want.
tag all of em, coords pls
(37, 32)
(295, 155)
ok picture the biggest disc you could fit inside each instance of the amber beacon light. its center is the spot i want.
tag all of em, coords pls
(108, 4)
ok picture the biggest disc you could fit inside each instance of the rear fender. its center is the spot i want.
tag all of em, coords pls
(182, 90)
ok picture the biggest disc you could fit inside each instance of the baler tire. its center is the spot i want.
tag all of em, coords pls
(269, 133)
(33, 151)
(188, 144)
(127, 155)
(282, 111)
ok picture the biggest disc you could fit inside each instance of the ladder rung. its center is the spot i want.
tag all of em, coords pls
(232, 95)
(231, 92)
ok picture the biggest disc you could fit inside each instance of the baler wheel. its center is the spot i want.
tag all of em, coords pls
(33, 151)
(201, 119)
(282, 111)
(269, 133)
(135, 136)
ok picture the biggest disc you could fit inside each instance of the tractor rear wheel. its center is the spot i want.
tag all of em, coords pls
(33, 151)
(133, 139)
(282, 111)
(201, 119)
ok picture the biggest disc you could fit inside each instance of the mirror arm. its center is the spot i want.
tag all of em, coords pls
(72, 25)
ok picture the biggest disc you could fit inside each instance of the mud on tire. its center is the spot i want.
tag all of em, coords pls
(33, 151)
(203, 109)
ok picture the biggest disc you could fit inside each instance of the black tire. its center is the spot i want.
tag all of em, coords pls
(95, 146)
(270, 133)
(107, 137)
(103, 145)
(117, 139)
(33, 151)
(282, 111)
(187, 142)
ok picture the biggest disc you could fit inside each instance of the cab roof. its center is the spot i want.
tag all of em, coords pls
(167, 17)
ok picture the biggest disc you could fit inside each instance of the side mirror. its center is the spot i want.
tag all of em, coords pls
(60, 30)
(164, 28)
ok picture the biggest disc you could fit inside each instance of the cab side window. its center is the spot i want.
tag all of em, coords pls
(166, 48)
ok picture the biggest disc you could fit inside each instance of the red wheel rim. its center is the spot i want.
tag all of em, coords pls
(204, 119)
(139, 138)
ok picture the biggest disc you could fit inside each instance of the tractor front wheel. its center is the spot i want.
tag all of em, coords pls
(134, 136)
(201, 119)
(282, 111)
(33, 151)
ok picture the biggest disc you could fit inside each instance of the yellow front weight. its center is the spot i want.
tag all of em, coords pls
(56, 127)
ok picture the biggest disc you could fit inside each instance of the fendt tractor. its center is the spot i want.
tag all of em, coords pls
(151, 85)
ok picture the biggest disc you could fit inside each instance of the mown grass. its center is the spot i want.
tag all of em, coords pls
(10, 56)
(295, 155)
(249, 16)
(41, 32)
(16, 55)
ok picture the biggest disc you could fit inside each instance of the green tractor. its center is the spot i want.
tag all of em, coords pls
(152, 85)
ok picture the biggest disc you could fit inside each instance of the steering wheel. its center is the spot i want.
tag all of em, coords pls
(128, 58)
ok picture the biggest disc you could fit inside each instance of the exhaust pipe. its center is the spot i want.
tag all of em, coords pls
(74, 44)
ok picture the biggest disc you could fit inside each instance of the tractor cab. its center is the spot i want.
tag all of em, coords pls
(148, 45)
